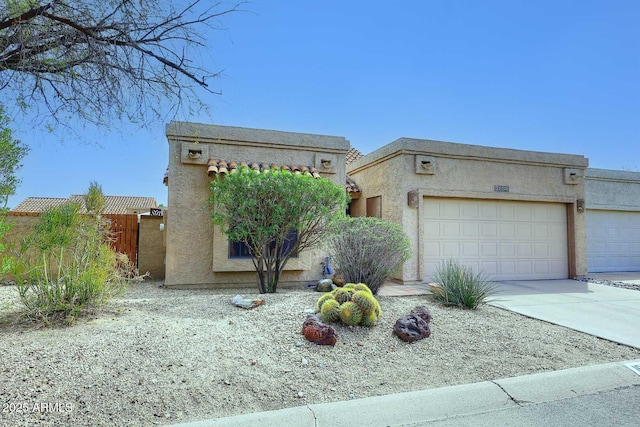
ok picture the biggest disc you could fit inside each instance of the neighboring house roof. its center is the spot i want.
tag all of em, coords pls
(215, 167)
(113, 204)
(353, 155)
(39, 204)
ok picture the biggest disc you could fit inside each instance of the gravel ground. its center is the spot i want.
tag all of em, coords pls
(160, 356)
(631, 286)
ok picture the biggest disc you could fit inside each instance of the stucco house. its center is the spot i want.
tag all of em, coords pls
(197, 253)
(514, 214)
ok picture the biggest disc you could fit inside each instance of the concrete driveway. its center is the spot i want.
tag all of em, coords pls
(604, 311)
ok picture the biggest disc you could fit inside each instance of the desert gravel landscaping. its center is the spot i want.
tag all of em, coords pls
(157, 356)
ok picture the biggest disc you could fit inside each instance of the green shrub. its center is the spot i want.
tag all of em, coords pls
(66, 265)
(368, 250)
(460, 286)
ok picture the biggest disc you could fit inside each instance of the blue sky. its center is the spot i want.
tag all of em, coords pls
(556, 76)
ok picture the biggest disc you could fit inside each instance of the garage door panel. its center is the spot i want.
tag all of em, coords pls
(524, 249)
(451, 249)
(470, 230)
(507, 240)
(507, 231)
(470, 249)
(613, 240)
(489, 249)
(524, 231)
(488, 230)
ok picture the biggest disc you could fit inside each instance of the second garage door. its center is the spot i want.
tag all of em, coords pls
(507, 240)
(613, 241)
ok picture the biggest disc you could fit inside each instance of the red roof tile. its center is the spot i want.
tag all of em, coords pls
(215, 167)
(352, 187)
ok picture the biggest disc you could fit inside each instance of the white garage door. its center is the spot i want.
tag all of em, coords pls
(613, 241)
(507, 240)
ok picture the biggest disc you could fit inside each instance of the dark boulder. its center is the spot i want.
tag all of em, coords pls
(414, 326)
(422, 312)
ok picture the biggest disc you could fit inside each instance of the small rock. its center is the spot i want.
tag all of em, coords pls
(412, 328)
(338, 279)
(324, 285)
(254, 362)
(227, 382)
(304, 361)
(298, 344)
(317, 332)
(300, 395)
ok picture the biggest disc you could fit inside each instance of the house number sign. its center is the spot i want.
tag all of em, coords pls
(501, 188)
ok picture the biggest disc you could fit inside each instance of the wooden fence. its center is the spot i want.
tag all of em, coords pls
(124, 230)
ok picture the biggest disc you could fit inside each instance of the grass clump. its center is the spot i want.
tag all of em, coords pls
(66, 266)
(459, 286)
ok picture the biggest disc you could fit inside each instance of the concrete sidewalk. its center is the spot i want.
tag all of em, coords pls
(600, 310)
(425, 406)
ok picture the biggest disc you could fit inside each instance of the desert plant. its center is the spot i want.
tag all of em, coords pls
(66, 265)
(330, 310)
(350, 313)
(364, 300)
(350, 306)
(272, 206)
(460, 286)
(369, 320)
(12, 152)
(324, 298)
(368, 250)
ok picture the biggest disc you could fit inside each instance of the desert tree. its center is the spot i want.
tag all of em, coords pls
(275, 215)
(12, 152)
(107, 59)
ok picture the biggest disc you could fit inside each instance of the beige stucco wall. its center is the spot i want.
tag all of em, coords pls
(468, 171)
(196, 254)
(21, 226)
(151, 249)
(612, 190)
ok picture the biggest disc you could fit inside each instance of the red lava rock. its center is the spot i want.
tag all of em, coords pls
(317, 332)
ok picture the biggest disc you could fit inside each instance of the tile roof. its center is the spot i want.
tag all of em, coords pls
(215, 167)
(353, 155)
(38, 204)
(113, 204)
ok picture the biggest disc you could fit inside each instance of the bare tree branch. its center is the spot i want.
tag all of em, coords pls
(105, 59)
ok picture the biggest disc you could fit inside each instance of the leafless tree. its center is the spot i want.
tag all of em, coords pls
(101, 60)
